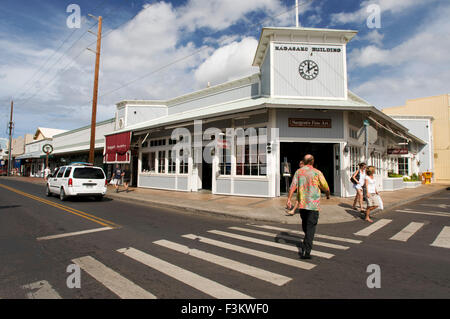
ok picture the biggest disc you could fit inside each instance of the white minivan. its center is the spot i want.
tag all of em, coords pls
(77, 180)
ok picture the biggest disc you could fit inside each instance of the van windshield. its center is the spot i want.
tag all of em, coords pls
(88, 173)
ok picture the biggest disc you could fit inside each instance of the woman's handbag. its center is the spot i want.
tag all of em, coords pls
(380, 202)
(355, 180)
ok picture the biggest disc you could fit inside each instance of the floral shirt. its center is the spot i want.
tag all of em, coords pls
(309, 183)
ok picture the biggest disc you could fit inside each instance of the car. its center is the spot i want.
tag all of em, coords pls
(77, 180)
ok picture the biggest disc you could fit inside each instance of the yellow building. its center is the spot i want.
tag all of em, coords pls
(439, 108)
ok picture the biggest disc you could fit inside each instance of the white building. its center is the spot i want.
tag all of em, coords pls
(301, 91)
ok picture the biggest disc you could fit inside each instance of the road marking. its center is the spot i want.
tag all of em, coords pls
(259, 273)
(423, 213)
(288, 237)
(346, 240)
(74, 233)
(90, 217)
(269, 243)
(198, 282)
(43, 290)
(373, 228)
(443, 239)
(276, 258)
(443, 206)
(112, 280)
(407, 232)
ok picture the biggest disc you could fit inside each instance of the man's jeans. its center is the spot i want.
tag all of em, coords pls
(309, 222)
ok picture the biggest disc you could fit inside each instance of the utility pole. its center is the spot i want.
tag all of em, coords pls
(94, 100)
(11, 125)
(297, 24)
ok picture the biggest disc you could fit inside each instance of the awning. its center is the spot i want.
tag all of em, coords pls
(117, 148)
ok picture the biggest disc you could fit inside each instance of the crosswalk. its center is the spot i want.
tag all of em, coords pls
(442, 240)
(275, 246)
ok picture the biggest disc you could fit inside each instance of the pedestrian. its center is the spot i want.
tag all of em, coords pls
(292, 211)
(117, 177)
(310, 183)
(47, 172)
(372, 193)
(126, 177)
(359, 179)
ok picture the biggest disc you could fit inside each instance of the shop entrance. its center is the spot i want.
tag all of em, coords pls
(206, 174)
(323, 160)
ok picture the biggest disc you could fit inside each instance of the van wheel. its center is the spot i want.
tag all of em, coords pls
(47, 191)
(62, 195)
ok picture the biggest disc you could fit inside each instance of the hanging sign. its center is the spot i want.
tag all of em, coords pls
(397, 151)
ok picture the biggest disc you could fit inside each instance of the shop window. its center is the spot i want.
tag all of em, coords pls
(403, 166)
(162, 162)
(184, 165)
(251, 159)
(355, 157)
(172, 163)
(225, 157)
(145, 162)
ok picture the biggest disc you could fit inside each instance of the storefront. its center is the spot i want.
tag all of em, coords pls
(237, 137)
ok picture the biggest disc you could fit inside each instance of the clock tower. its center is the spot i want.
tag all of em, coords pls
(303, 62)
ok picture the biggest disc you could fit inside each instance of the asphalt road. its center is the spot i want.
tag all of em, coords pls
(142, 252)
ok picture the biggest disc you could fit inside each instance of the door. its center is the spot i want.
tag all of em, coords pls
(55, 181)
(206, 175)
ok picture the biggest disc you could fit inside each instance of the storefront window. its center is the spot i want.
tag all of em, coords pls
(184, 166)
(172, 163)
(403, 165)
(355, 157)
(162, 162)
(251, 158)
(225, 157)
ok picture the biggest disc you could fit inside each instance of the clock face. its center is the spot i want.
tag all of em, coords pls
(308, 70)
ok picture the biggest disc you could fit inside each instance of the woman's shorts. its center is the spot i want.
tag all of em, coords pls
(372, 201)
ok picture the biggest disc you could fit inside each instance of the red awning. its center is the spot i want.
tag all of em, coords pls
(117, 148)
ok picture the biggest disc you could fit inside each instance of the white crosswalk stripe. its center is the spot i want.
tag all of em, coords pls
(268, 276)
(288, 237)
(441, 214)
(373, 228)
(118, 284)
(269, 243)
(341, 239)
(41, 290)
(443, 239)
(252, 252)
(407, 232)
(198, 282)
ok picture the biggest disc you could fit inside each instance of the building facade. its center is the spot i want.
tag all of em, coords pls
(438, 108)
(297, 104)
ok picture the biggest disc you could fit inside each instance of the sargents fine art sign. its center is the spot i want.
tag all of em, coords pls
(311, 123)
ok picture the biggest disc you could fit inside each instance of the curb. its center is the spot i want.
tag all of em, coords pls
(194, 210)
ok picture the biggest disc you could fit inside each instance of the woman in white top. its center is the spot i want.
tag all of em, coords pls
(372, 200)
(359, 181)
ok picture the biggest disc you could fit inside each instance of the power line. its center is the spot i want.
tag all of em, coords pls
(62, 55)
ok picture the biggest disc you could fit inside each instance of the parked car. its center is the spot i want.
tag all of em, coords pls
(76, 180)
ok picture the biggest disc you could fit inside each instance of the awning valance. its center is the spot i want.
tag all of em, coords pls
(117, 148)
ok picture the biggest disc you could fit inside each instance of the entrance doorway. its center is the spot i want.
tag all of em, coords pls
(206, 175)
(323, 160)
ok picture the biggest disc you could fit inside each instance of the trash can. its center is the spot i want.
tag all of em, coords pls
(428, 176)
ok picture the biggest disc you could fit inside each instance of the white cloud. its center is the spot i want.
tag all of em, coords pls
(227, 63)
(415, 68)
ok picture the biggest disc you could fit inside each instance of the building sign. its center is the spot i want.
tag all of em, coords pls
(397, 151)
(310, 123)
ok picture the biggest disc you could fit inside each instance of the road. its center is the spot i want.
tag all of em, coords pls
(134, 251)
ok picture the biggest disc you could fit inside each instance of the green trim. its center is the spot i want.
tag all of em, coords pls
(85, 127)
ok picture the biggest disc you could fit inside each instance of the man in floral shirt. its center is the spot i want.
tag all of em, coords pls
(309, 184)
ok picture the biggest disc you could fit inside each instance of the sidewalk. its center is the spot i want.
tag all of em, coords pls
(335, 210)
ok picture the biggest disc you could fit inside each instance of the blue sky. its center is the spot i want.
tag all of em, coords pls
(213, 41)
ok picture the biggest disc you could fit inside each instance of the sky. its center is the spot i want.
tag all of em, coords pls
(159, 50)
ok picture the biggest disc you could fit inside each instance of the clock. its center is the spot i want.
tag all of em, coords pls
(308, 70)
